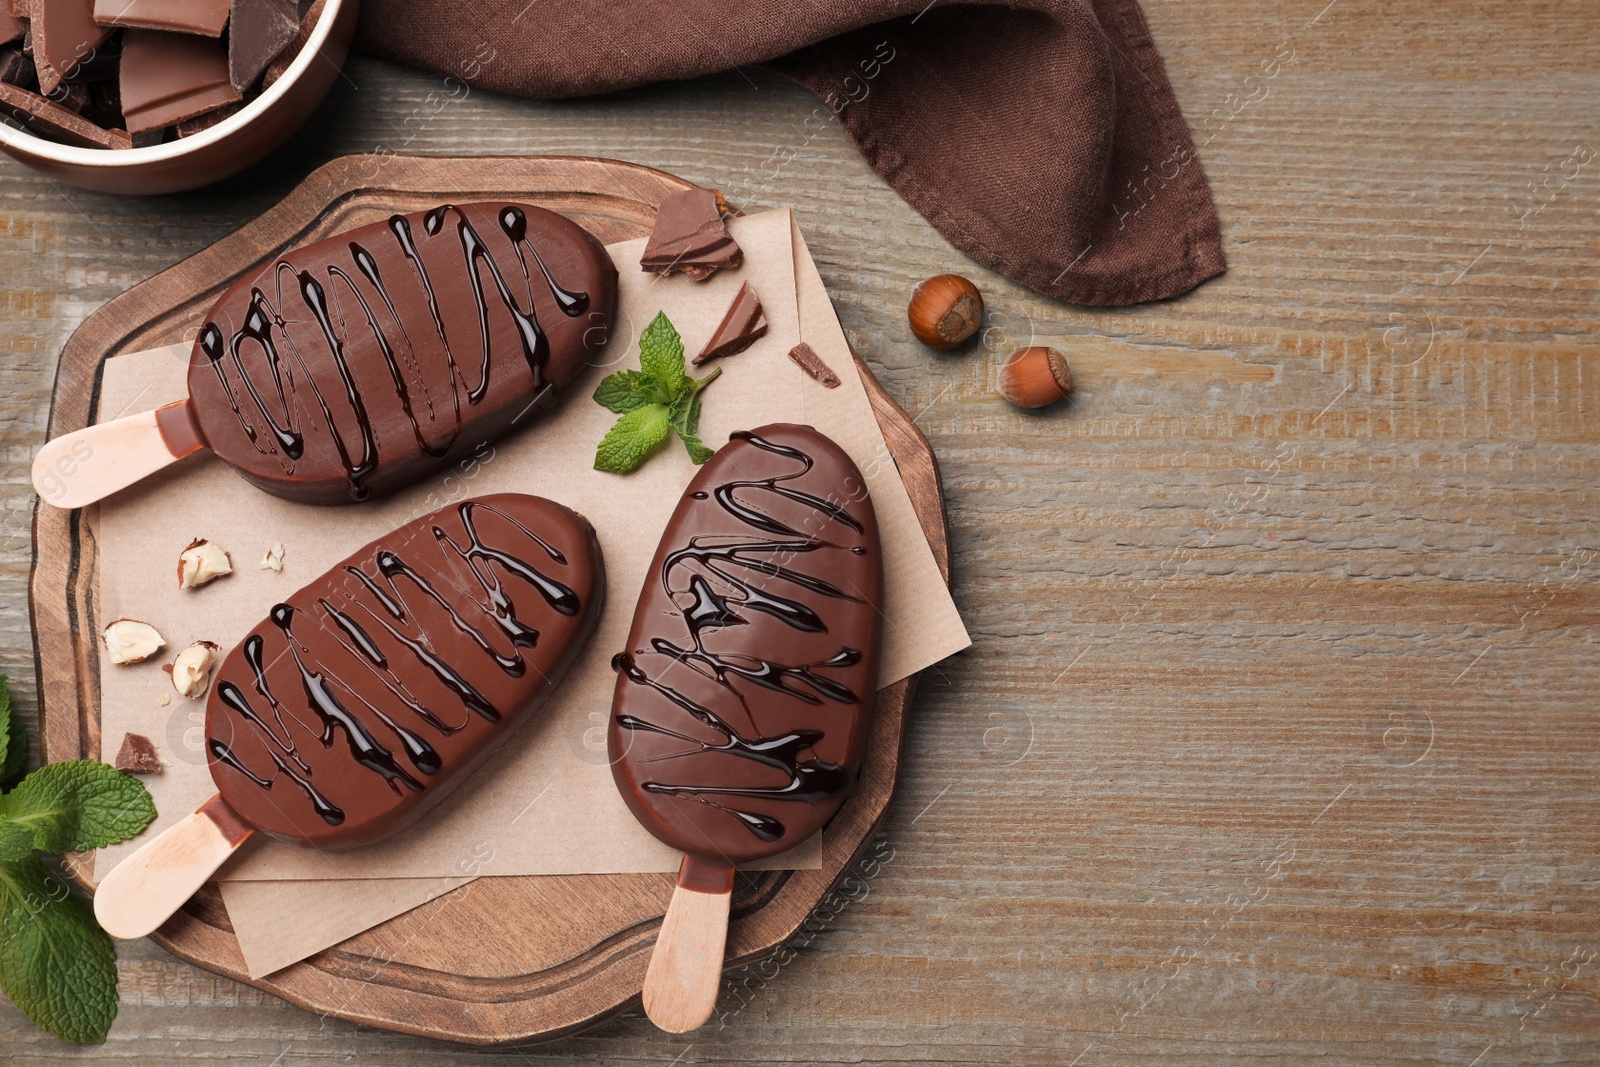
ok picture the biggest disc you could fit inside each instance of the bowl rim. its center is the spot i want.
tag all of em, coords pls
(117, 158)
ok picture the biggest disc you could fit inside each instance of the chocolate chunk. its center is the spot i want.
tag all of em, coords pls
(261, 29)
(12, 28)
(51, 120)
(205, 17)
(744, 324)
(808, 360)
(17, 69)
(138, 755)
(151, 138)
(745, 691)
(65, 34)
(415, 341)
(200, 123)
(310, 14)
(169, 77)
(367, 697)
(691, 236)
(104, 107)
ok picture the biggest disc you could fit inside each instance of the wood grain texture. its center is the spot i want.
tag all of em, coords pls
(1277, 742)
(579, 947)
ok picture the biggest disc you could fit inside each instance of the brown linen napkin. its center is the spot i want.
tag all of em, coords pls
(1041, 137)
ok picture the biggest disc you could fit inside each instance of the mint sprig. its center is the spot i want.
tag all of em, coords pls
(56, 964)
(654, 401)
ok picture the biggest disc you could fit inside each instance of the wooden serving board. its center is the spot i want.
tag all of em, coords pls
(501, 960)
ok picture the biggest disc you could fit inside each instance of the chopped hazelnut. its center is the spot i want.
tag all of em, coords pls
(131, 641)
(200, 563)
(273, 560)
(191, 671)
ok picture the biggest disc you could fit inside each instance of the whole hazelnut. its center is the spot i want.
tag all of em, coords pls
(945, 310)
(1035, 377)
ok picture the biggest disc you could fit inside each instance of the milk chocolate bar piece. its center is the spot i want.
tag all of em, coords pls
(169, 77)
(12, 27)
(138, 755)
(743, 325)
(808, 360)
(65, 34)
(350, 368)
(745, 690)
(51, 120)
(205, 17)
(261, 30)
(691, 237)
(370, 695)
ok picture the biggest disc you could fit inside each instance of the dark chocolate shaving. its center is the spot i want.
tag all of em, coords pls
(744, 324)
(812, 364)
(691, 237)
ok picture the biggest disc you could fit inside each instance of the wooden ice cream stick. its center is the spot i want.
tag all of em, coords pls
(146, 888)
(685, 974)
(90, 464)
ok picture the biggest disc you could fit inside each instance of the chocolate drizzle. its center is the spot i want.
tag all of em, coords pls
(334, 371)
(715, 581)
(362, 655)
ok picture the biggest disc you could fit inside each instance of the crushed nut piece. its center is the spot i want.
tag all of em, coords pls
(131, 641)
(273, 560)
(191, 671)
(138, 756)
(200, 563)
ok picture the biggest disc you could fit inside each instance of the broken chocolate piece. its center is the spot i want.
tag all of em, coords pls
(17, 69)
(151, 138)
(310, 14)
(138, 755)
(690, 236)
(51, 120)
(12, 28)
(169, 77)
(74, 96)
(205, 17)
(104, 107)
(201, 123)
(808, 360)
(743, 325)
(261, 29)
(65, 34)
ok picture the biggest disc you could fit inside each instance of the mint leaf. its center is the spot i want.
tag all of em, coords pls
(657, 400)
(56, 964)
(661, 353)
(619, 392)
(78, 805)
(16, 842)
(633, 438)
(697, 448)
(16, 754)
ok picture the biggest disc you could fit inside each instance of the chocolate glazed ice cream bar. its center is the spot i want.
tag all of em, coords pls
(744, 695)
(355, 366)
(365, 699)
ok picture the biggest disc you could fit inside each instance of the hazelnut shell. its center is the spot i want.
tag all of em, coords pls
(945, 310)
(1035, 377)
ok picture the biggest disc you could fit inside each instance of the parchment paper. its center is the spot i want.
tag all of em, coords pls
(546, 803)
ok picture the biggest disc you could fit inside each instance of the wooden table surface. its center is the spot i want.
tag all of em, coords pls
(1277, 742)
